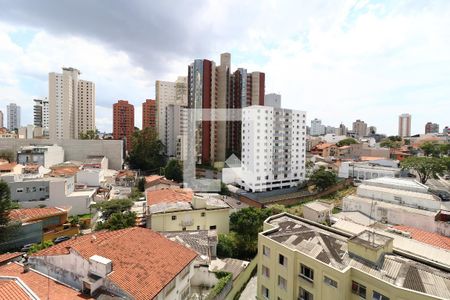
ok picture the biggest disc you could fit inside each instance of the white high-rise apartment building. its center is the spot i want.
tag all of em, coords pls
(71, 104)
(273, 148)
(317, 128)
(12, 116)
(169, 93)
(1, 119)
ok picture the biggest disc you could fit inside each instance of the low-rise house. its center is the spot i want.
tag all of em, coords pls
(157, 182)
(317, 211)
(179, 210)
(18, 282)
(300, 259)
(126, 178)
(399, 202)
(91, 177)
(44, 155)
(95, 162)
(133, 263)
(119, 192)
(367, 170)
(324, 149)
(51, 192)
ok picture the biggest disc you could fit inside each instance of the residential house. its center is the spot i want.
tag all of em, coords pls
(133, 263)
(45, 155)
(179, 210)
(317, 211)
(157, 182)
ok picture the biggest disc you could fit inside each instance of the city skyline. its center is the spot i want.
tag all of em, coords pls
(358, 60)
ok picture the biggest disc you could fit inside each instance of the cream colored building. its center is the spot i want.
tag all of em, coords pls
(71, 104)
(202, 212)
(300, 259)
(168, 93)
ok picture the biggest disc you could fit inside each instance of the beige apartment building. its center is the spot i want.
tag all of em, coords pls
(300, 259)
(71, 104)
(169, 93)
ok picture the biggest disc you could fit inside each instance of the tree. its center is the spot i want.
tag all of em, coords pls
(147, 152)
(141, 184)
(322, 178)
(113, 206)
(227, 245)
(224, 189)
(388, 143)
(38, 247)
(430, 149)
(5, 203)
(346, 142)
(174, 170)
(425, 167)
(8, 155)
(89, 135)
(120, 220)
(395, 138)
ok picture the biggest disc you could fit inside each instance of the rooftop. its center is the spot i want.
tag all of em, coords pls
(398, 183)
(168, 196)
(430, 238)
(8, 256)
(318, 206)
(199, 241)
(144, 261)
(42, 286)
(330, 247)
(33, 214)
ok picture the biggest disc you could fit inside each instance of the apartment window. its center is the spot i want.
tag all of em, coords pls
(266, 251)
(265, 292)
(202, 214)
(265, 271)
(282, 283)
(174, 218)
(359, 289)
(378, 296)
(282, 260)
(305, 295)
(213, 227)
(330, 281)
(19, 190)
(306, 272)
(184, 272)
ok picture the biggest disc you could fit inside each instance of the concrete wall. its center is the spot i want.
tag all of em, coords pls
(77, 150)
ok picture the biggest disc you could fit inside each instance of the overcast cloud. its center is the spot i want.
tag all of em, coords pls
(338, 60)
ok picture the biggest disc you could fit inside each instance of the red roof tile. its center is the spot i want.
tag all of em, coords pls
(143, 261)
(32, 214)
(152, 178)
(7, 256)
(38, 283)
(169, 195)
(426, 237)
(7, 166)
(10, 289)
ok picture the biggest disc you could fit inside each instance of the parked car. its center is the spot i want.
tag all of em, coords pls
(447, 177)
(61, 239)
(26, 248)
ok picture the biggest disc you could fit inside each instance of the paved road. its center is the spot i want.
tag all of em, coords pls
(249, 293)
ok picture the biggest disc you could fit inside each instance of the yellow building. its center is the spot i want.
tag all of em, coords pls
(300, 259)
(179, 210)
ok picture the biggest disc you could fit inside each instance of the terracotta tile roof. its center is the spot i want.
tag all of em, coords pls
(7, 256)
(366, 158)
(426, 237)
(64, 171)
(32, 214)
(157, 179)
(322, 146)
(39, 284)
(143, 261)
(152, 178)
(10, 289)
(7, 166)
(169, 196)
(126, 173)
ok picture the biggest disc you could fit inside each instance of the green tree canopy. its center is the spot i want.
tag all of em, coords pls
(113, 206)
(120, 220)
(147, 151)
(388, 143)
(5, 203)
(227, 245)
(89, 135)
(322, 178)
(425, 167)
(435, 149)
(174, 170)
(395, 138)
(346, 142)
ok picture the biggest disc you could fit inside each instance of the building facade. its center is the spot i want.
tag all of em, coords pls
(41, 114)
(71, 104)
(149, 114)
(12, 116)
(300, 259)
(123, 122)
(1, 119)
(431, 128)
(168, 93)
(273, 148)
(317, 128)
(360, 128)
(404, 125)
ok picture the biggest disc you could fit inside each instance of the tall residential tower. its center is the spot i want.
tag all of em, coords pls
(12, 116)
(123, 122)
(404, 125)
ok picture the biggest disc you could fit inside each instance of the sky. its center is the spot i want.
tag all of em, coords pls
(337, 60)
